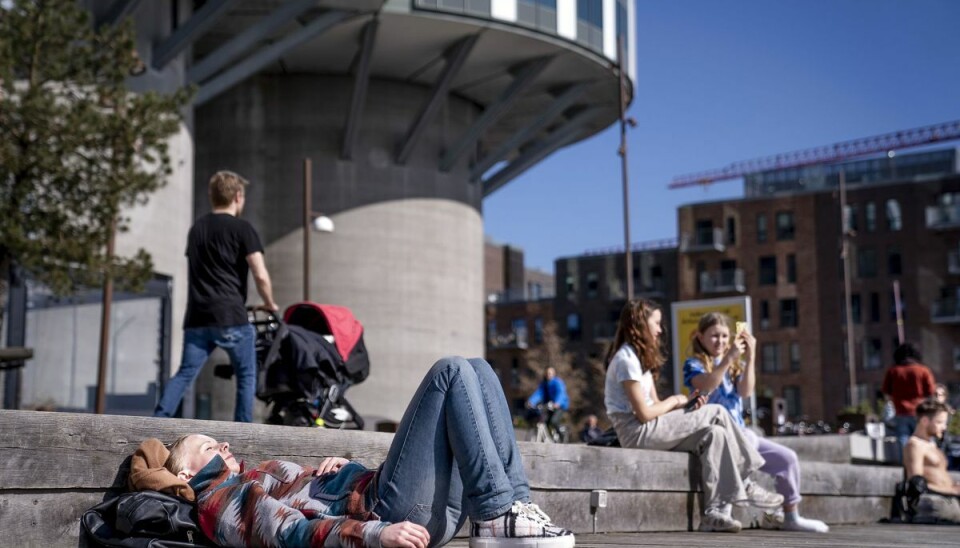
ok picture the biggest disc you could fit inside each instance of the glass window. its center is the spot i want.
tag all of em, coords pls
(874, 307)
(770, 357)
(785, 228)
(761, 228)
(538, 329)
(850, 218)
(705, 232)
(768, 270)
(788, 313)
(764, 315)
(872, 354)
(794, 356)
(871, 216)
(894, 266)
(792, 396)
(571, 283)
(573, 326)
(731, 230)
(519, 329)
(867, 262)
(534, 290)
(593, 284)
(491, 330)
(514, 372)
(791, 268)
(894, 220)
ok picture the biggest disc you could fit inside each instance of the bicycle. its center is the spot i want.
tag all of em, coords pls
(545, 432)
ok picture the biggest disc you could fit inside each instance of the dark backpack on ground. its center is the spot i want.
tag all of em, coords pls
(143, 519)
(607, 439)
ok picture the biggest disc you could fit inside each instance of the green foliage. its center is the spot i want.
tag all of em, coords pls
(76, 146)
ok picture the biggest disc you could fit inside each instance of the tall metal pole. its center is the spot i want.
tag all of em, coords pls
(307, 212)
(627, 254)
(105, 311)
(847, 299)
(898, 307)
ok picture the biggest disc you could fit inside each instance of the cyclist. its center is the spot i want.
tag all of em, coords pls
(549, 401)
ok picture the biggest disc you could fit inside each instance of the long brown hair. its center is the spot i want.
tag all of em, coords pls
(632, 329)
(696, 348)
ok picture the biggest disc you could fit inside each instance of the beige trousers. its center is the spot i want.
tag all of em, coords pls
(726, 456)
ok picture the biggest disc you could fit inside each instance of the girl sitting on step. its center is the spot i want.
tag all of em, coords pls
(642, 420)
(725, 370)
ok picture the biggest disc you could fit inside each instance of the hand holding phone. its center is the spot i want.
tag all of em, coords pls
(694, 400)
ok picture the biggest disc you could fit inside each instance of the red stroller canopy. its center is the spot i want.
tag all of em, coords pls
(346, 329)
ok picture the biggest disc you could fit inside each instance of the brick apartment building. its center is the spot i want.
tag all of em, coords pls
(781, 245)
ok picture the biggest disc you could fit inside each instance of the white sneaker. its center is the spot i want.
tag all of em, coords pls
(759, 497)
(521, 527)
(716, 521)
(771, 521)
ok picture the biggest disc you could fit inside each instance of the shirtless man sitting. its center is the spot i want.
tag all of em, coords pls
(922, 457)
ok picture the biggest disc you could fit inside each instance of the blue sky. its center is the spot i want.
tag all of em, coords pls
(722, 81)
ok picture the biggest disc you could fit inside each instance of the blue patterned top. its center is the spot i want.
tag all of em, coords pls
(725, 394)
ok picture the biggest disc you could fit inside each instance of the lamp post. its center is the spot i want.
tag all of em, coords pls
(845, 233)
(625, 180)
(311, 221)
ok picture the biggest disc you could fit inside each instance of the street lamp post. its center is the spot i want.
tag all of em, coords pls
(845, 233)
(311, 221)
(625, 180)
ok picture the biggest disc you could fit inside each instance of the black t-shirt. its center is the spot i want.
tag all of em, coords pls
(217, 249)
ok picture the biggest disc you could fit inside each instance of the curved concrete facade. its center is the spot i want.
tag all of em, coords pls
(406, 255)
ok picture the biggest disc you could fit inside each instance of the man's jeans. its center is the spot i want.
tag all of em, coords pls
(454, 453)
(198, 342)
(904, 425)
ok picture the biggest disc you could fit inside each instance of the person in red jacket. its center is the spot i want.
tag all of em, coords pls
(907, 383)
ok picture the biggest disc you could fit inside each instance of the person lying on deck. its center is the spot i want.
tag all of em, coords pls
(454, 455)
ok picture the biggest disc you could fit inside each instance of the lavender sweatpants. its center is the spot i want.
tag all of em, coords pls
(781, 463)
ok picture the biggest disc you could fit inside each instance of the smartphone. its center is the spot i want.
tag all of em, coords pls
(742, 327)
(694, 396)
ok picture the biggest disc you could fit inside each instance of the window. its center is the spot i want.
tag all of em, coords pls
(761, 228)
(731, 230)
(867, 262)
(515, 372)
(872, 350)
(571, 283)
(894, 220)
(791, 269)
(704, 232)
(492, 330)
(870, 211)
(768, 270)
(764, 315)
(701, 269)
(541, 14)
(593, 284)
(874, 307)
(785, 229)
(792, 396)
(519, 329)
(788, 313)
(894, 263)
(590, 23)
(850, 218)
(794, 356)
(956, 358)
(854, 307)
(538, 329)
(573, 326)
(534, 291)
(770, 357)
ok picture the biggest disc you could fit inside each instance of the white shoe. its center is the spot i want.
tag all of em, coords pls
(771, 521)
(759, 497)
(716, 521)
(521, 527)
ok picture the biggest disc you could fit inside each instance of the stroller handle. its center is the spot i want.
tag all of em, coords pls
(261, 316)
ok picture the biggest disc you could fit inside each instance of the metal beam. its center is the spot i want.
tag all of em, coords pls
(566, 98)
(118, 10)
(243, 70)
(185, 34)
(560, 137)
(216, 61)
(361, 80)
(523, 77)
(455, 58)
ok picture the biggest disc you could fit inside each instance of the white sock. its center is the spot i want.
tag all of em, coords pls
(793, 521)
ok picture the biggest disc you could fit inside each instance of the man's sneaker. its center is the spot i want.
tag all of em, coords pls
(716, 521)
(520, 527)
(533, 508)
(759, 497)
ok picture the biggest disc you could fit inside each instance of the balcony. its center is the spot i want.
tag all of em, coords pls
(943, 217)
(702, 240)
(945, 311)
(515, 339)
(723, 281)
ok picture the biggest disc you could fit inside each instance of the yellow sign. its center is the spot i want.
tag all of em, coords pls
(685, 317)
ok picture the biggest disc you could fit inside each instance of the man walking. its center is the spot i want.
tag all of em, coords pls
(221, 250)
(907, 383)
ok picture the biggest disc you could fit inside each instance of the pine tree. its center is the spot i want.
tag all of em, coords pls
(76, 146)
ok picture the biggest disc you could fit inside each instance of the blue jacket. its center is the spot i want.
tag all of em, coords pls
(554, 391)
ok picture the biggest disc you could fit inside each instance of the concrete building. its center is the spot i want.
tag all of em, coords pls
(412, 111)
(781, 245)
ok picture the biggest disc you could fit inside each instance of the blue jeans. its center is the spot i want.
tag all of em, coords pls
(198, 342)
(454, 453)
(904, 425)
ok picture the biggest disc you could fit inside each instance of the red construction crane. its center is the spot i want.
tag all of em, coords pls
(826, 154)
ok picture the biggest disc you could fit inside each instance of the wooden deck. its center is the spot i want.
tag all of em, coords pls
(873, 535)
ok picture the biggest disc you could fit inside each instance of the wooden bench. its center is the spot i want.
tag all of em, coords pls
(53, 466)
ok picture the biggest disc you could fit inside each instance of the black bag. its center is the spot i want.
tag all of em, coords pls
(143, 519)
(607, 439)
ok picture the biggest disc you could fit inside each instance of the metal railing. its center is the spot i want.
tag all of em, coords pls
(722, 281)
(702, 241)
(943, 216)
(945, 311)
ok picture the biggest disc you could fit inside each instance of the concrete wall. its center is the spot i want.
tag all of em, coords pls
(406, 255)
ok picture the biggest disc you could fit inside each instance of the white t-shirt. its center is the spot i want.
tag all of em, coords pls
(625, 366)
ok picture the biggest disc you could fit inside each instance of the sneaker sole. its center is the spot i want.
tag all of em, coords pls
(708, 529)
(566, 541)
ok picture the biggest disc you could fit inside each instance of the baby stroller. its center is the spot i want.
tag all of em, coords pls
(307, 362)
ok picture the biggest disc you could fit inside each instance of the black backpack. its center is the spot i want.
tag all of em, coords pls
(143, 519)
(607, 439)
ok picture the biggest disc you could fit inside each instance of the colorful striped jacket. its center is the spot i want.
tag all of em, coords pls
(283, 504)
